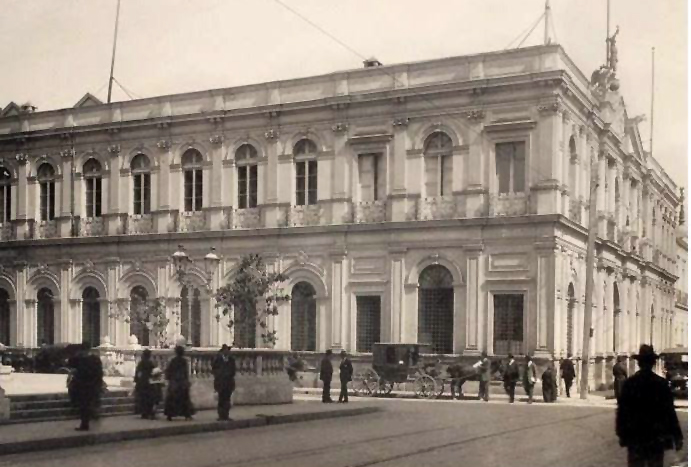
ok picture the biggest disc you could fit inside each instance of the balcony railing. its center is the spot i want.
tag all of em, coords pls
(139, 224)
(190, 221)
(249, 218)
(508, 204)
(91, 227)
(369, 211)
(299, 216)
(575, 210)
(438, 207)
(7, 232)
(46, 229)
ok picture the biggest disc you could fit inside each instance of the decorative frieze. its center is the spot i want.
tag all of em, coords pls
(163, 144)
(475, 115)
(22, 157)
(339, 127)
(550, 108)
(271, 134)
(401, 122)
(114, 150)
(216, 139)
(68, 153)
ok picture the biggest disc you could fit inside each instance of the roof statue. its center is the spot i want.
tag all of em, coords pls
(605, 78)
(612, 51)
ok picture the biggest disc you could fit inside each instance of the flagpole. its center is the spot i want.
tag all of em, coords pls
(112, 62)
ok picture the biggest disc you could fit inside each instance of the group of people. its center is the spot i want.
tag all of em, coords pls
(511, 375)
(326, 374)
(86, 385)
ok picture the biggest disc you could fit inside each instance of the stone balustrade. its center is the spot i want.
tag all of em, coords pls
(437, 207)
(45, 229)
(190, 221)
(139, 224)
(91, 227)
(7, 232)
(508, 204)
(299, 216)
(249, 218)
(369, 211)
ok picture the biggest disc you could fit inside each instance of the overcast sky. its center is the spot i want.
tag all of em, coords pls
(54, 52)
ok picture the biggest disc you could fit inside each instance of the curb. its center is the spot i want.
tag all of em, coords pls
(67, 442)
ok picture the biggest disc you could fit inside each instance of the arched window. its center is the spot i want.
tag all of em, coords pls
(246, 160)
(305, 153)
(191, 315)
(141, 178)
(569, 320)
(435, 308)
(139, 299)
(91, 317)
(92, 177)
(5, 196)
(45, 317)
(4, 317)
(192, 171)
(46, 181)
(303, 317)
(438, 159)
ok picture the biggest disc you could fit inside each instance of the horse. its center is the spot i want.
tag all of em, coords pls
(462, 372)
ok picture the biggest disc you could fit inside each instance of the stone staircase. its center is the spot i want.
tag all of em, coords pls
(50, 407)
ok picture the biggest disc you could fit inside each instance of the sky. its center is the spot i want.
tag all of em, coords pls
(54, 52)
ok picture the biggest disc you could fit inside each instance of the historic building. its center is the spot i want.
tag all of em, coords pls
(681, 304)
(443, 201)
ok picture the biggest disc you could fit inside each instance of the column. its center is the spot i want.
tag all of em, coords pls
(398, 196)
(478, 158)
(558, 342)
(339, 299)
(213, 185)
(112, 216)
(23, 208)
(564, 166)
(64, 191)
(547, 188)
(342, 197)
(167, 185)
(270, 207)
(14, 322)
(602, 195)
(545, 304)
(475, 304)
(74, 310)
(397, 308)
(30, 331)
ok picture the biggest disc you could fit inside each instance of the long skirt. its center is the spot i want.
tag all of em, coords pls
(146, 396)
(178, 402)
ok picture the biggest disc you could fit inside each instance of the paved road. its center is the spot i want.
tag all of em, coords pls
(408, 433)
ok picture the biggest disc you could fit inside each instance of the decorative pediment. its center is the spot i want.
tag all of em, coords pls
(89, 100)
(12, 109)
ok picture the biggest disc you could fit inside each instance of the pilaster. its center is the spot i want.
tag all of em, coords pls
(475, 303)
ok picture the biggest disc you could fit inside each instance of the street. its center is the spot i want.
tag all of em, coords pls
(407, 433)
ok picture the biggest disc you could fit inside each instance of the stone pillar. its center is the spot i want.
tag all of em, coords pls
(213, 190)
(339, 299)
(23, 210)
(270, 209)
(475, 309)
(558, 329)
(29, 321)
(398, 196)
(477, 179)
(547, 189)
(74, 310)
(64, 190)
(545, 302)
(14, 325)
(168, 186)
(397, 307)
(342, 197)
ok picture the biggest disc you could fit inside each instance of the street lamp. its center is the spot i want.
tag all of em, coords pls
(211, 261)
(181, 262)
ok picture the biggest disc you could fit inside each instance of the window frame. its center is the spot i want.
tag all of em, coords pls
(247, 176)
(192, 177)
(5, 195)
(512, 167)
(141, 185)
(46, 200)
(93, 191)
(443, 155)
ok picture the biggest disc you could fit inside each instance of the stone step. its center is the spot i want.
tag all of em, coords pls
(63, 403)
(40, 415)
(60, 396)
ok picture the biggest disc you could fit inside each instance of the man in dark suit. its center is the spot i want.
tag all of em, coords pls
(325, 374)
(223, 368)
(568, 373)
(346, 369)
(86, 385)
(511, 375)
(484, 367)
(620, 374)
(646, 422)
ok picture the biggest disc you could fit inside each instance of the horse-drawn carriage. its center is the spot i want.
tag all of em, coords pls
(395, 364)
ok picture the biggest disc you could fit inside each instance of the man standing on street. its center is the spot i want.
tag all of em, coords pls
(620, 375)
(568, 373)
(325, 374)
(483, 367)
(223, 368)
(549, 393)
(346, 369)
(529, 378)
(646, 422)
(86, 386)
(511, 375)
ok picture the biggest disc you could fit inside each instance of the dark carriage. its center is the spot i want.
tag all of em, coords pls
(677, 370)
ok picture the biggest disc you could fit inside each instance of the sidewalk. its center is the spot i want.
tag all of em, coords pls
(30, 437)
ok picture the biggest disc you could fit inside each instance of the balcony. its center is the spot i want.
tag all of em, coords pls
(91, 227)
(575, 210)
(508, 204)
(45, 229)
(369, 211)
(139, 224)
(191, 221)
(249, 218)
(7, 232)
(299, 216)
(438, 207)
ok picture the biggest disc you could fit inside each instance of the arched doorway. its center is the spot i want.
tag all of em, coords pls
(571, 305)
(4, 317)
(45, 317)
(139, 298)
(303, 317)
(191, 315)
(91, 317)
(435, 309)
(616, 317)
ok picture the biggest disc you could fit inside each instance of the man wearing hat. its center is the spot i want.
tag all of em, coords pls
(223, 368)
(646, 422)
(346, 375)
(326, 371)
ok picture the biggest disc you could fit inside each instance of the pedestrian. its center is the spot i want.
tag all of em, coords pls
(86, 386)
(346, 369)
(325, 374)
(646, 422)
(145, 392)
(178, 402)
(529, 378)
(620, 374)
(483, 366)
(223, 368)
(548, 384)
(568, 373)
(511, 375)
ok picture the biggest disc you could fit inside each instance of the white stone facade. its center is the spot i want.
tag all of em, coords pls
(515, 224)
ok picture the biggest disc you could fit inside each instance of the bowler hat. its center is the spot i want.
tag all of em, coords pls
(646, 353)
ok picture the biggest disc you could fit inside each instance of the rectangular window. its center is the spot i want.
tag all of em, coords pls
(300, 183)
(437, 176)
(305, 183)
(312, 182)
(142, 193)
(510, 165)
(368, 322)
(446, 176)
(47, 196)
(193, 190)
(146, 208)
(508, 324)
(252, 195)
(247, 187)
(93, 197)
(198, 190)
(242, 187)
(5, 203)
(371, 177)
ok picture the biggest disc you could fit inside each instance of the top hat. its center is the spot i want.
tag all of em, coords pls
(646, 353)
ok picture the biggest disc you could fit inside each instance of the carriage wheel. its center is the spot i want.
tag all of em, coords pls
(366, 383)
(425, 387)
(384, 388)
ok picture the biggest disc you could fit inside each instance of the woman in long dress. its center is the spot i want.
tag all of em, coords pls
(145, 392)
(178, 402)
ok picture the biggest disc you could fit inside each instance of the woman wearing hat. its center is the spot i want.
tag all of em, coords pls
(647, 423)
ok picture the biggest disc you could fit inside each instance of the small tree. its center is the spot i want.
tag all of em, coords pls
(253, 295)
(150, 314)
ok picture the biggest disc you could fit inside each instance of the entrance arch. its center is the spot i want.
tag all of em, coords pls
(435, 308)
(303, 317)
(91, 317)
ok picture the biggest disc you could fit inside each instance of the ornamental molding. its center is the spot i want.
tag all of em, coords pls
(68, 153)
(22, 158)
(216, 139)
(401, 122)
(339, 127)
(114, 149)
(163, 144)
(271, 134)
(475, 115)
(550, 108)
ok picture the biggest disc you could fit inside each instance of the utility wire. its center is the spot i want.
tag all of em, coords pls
(508, 46)
(531, 31)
